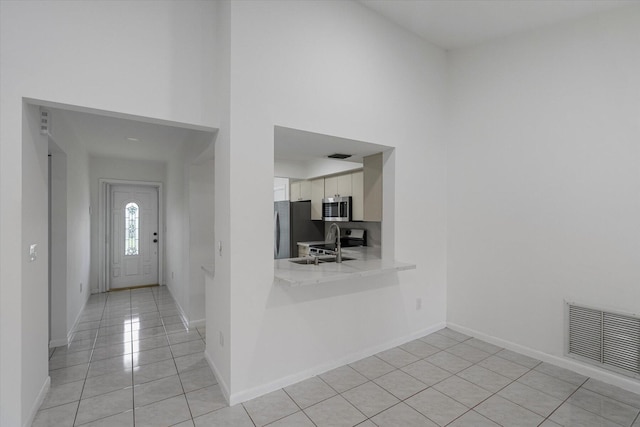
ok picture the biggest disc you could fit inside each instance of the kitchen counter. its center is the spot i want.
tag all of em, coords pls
(367, 262)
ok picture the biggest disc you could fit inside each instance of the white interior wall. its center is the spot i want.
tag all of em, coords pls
(58, 233)
(177, 272)
(77, 228)
(33, 319)
(543, 179)
(280, 335)
(217, 289)
(201, 233)
(78, 220)
(189, 225)
(100, 69)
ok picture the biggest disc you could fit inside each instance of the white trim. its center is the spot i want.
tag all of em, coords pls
(223, 385)
(59, 342)
(103, 215)
(62, 341)
(200, 323)
(612, 378)
(183, 315)
(260, 390)
(38, 402)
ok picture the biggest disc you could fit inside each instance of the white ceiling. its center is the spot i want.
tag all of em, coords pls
(106, 136)
(453, 24)
(298, 145)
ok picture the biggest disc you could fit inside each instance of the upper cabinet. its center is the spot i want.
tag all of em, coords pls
(317, 194)
(340, 185)
(364, 187)
(300, 190)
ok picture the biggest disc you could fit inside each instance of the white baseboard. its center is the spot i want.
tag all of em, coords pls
(263, 389)
(58, 342)
(75, 322)
(594, 372)
(223, 385)
(183, 315)
(200, 323)
(38, 402)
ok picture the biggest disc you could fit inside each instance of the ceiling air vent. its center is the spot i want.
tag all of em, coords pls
(606, 339)
(339, 156)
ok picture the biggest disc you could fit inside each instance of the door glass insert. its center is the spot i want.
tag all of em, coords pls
(131, 229)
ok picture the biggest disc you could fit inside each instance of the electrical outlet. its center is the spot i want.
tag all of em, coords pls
(221, 339)
(418, 303)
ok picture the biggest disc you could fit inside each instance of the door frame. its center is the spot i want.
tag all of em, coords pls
(104, 228)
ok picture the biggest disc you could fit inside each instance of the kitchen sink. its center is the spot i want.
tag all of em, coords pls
(332, 258)
(321, 260)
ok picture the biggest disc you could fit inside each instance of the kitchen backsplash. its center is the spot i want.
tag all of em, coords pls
(374, 230)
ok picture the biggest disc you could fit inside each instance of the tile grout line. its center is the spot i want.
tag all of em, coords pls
(494, 393)
(89, 364)
(166, 336)
(105, 304)
(300, 407)
(563, 402)
(133, 385)
(473, 364)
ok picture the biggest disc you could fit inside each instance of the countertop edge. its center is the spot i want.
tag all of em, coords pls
(337, 277)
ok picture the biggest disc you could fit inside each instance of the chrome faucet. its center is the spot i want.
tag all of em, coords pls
(338, 247)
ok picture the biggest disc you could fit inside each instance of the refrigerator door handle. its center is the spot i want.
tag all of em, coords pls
(276, 237)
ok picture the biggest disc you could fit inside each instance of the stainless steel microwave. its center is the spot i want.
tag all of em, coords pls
(336, 209)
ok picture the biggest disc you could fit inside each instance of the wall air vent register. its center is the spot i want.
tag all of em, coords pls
(603, 338)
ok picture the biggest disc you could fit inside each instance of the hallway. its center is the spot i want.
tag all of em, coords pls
(133, 362)
(124, 339)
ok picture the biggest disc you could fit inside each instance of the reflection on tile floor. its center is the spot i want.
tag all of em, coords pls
(133, 363)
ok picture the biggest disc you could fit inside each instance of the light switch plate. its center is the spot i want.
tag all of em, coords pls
(33, 252)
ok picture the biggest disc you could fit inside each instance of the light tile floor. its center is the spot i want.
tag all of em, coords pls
(133, 362)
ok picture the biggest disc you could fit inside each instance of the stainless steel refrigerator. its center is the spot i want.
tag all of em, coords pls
(292, 224)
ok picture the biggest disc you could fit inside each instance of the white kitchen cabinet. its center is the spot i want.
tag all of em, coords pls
(317, 194)
(339, 185)
(357, 196)
(300, 190)
(294, 191)
(305, 190)
(364, 187)
(344, 185)
(331, 186)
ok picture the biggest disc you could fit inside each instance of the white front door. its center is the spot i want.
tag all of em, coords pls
(134, 236)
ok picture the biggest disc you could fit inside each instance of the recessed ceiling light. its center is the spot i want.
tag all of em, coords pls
(133, 139)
